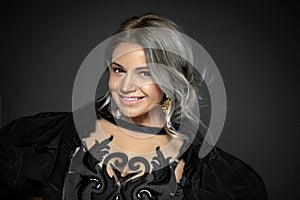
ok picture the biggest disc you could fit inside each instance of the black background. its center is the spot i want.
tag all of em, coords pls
(255, 46)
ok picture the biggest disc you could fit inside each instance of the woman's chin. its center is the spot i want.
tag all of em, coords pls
(132, 115)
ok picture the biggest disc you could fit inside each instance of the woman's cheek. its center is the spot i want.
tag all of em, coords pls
(112, 83)
(154, 91)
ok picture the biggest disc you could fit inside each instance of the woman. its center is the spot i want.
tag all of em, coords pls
(145, 141)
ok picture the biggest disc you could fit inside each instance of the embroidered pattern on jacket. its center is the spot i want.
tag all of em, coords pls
(86, 180)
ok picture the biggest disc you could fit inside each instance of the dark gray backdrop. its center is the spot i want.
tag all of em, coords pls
(255, 47)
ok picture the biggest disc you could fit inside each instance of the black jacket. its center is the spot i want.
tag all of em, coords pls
(35, 153)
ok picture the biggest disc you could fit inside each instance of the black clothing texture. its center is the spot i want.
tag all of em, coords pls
(36, 152)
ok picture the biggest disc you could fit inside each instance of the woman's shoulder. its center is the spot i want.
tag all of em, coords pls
(31, 150)
(21, 130)
(221, 175)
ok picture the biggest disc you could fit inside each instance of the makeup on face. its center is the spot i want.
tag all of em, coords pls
(130, 83)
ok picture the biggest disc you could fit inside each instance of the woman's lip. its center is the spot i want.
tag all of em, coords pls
(132, 100)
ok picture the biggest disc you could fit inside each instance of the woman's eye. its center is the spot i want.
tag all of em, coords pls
(145, 74)
(118, 70)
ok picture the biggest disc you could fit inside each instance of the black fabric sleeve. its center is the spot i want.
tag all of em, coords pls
(34, 154)
(222, 176)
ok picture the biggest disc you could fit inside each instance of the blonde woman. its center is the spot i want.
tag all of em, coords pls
(145, 141)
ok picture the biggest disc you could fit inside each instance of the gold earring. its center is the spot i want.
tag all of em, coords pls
(166, 104)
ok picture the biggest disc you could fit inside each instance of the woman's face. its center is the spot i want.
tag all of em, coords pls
(130, 82)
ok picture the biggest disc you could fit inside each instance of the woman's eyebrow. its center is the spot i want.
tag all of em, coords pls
(141, 68)
(119, 65)
(136, 69)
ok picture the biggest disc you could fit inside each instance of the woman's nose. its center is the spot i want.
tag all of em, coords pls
(128, 84)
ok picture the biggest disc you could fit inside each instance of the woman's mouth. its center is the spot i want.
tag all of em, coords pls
(131, 101)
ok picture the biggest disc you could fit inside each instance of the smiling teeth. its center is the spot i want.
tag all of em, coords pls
(131, 99)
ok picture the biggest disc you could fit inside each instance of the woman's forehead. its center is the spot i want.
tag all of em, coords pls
(129, 56)
(125, 48)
